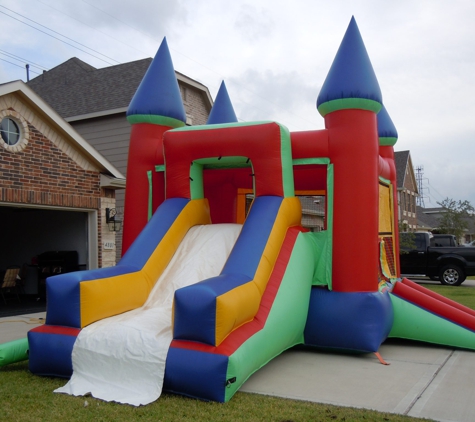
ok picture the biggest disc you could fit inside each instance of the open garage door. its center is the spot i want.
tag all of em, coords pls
(29, 233)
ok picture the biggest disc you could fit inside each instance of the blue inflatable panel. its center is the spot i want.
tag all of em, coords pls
(348, 321)
(63, 307)
(196, 374)
(351, 74)
(159, 94)
(247, 251)
(50, 354)
(222, 111)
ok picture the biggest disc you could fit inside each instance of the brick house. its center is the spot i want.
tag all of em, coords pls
(94, 102)
(407, 191)
(54, 187)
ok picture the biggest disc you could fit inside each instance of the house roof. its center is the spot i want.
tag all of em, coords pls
(92, 91)
(49, 115)
(429, 218)
(426, 219)
(401, 159)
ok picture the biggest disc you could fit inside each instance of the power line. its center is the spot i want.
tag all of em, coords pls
(14, 64)
(133, 47)
(442, 197)
(56, 38)
(13, 56)
(242, 87)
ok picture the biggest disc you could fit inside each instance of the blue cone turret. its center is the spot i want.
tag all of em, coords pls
(351, 82)
(387, 132)
(222, 111)
(158, 98)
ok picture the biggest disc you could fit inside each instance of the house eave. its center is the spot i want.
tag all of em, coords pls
(96, 114)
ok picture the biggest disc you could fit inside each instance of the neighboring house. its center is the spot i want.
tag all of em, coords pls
(54, 188)
(313, 212)
(428, 220)
(94, 101)
(407, 191)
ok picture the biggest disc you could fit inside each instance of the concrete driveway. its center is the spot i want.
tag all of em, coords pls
(422, 380)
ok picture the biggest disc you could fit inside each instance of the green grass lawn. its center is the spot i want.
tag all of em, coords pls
(463, 294)
(26, 397)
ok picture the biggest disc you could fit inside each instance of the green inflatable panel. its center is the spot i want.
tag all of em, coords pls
(414, 323)
(14, 351)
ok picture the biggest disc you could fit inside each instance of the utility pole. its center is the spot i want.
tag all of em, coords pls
(420, 187)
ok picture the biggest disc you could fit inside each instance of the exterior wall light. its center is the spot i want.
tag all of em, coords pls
(114, 223)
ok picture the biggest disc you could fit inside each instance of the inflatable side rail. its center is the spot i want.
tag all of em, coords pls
(76, 300)
(13, 351)
(423, 315)
(209, 311)
(81, 298)
(215, 373)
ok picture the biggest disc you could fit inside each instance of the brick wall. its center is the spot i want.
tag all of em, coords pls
(47, 173)
(44, 175)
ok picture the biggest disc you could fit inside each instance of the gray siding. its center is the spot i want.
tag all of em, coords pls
(110, 135)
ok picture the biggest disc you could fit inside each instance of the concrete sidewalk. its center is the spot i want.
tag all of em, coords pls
(17, 327)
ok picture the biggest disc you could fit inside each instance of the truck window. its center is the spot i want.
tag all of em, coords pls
(441, 241)
(420, 244)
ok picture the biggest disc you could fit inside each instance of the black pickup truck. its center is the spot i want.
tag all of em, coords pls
(449, 264)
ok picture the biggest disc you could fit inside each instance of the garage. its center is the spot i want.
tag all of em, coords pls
(55, 190)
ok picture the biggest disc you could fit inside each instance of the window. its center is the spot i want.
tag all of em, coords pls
(9, 131)
(14, 132)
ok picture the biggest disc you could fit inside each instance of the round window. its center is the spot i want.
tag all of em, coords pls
(9, 131)
(14, 131)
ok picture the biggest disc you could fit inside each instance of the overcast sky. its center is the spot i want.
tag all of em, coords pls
(274, 56)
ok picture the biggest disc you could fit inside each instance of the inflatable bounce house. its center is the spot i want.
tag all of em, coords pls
(208, 291)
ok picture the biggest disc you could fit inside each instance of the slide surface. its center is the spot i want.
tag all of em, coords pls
(122, 358)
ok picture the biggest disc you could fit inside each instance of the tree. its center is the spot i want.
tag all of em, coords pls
(456, 217)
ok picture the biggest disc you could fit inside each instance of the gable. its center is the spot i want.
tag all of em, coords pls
(30, 112)
(405, 177)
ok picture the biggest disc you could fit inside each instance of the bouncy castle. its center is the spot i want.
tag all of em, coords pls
(209, 289)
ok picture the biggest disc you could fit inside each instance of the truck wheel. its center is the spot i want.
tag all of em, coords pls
(451, 275)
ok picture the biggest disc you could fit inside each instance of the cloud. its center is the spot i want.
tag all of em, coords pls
(253, 23)
(275, 55)
(271, 95)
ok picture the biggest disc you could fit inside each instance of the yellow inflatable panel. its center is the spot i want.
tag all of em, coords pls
(235, 308)
(385, 209)
(106, 297)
